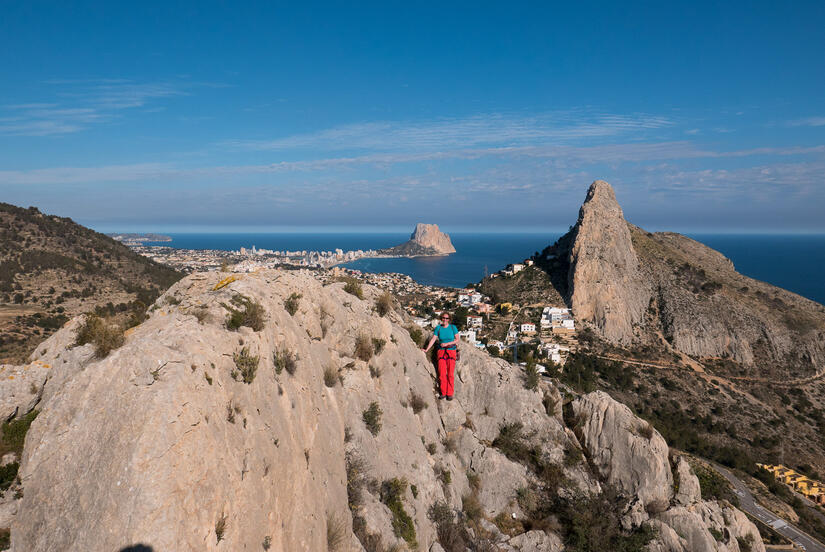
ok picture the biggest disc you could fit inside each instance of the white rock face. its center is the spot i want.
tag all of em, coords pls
(606, 290)
(428, 235)
(159, 445)
(689, 490)
(617, 444)
(22, 387)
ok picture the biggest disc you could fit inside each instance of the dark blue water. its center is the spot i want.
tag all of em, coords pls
(793, 262)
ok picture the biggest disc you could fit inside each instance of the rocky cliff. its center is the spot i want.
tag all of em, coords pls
(319, 429)
(639, 288)
(426, 239)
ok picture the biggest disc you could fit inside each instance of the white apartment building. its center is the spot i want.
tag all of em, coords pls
(528, 328)
(474, 322)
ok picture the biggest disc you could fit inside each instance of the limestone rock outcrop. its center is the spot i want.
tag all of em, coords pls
(636, 288)
(426, 239)
(195, 437)
(603, 278)
(627, 451)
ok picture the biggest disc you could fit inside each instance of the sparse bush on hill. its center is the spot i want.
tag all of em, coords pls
(383, 305)
(372, 418)
(330, 376)
(392, 495)
(353, 287)
(363, 348)
(292, 302)
(378, 344)
(246, 365)
(531, 376)
(416, 335)
(250, 314)
(284, 359)
(417, 402)
(105, 336)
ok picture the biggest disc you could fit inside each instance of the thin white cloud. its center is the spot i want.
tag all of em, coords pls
(808, 121)
(564, 156)
(81, 104)
(479, 130)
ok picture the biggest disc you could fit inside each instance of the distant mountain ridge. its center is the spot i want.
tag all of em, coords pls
(425, 240)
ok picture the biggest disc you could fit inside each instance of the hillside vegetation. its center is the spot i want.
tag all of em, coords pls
(52, 269)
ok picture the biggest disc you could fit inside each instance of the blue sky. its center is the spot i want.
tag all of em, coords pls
(175, 116)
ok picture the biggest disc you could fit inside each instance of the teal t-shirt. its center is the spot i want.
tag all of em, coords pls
(445, 335)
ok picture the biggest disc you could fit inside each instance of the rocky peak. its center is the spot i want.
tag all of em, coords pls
(603, 281)
(428, 235)
(426, 239)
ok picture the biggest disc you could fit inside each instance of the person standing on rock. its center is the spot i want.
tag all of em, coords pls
(447, 336)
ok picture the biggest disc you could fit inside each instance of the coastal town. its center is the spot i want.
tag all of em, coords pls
(546, 333)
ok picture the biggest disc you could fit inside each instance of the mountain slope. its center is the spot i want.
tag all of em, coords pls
(52, 269)
(194, 436)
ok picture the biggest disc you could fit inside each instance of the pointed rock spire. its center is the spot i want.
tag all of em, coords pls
(604, 283)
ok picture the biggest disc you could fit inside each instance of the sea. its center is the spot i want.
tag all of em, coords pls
(795, 262)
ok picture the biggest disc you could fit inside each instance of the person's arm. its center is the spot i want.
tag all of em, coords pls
(430, 344)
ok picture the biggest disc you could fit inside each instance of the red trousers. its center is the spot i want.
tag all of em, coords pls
(446, 371)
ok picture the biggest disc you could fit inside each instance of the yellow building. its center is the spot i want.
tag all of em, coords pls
(814, 490)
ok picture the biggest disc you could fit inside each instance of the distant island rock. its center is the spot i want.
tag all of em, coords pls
(427, 239)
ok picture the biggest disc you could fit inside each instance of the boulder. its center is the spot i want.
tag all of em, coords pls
(628, 453)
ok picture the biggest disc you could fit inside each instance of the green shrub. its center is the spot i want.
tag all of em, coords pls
(416, 335)
(378, 344)
(572, 456)
(417, 402)
(8, 474)
(363, 348)
(330, 376)
(105, 336)
(356, 469)
(451, 534)
(292, 302)
(471, 507)
(248, 313)
(336, 533)
(372, 418)
(353, 287)
(745, 543)
(713, 485)
(383, 305)
(717, 534)
(246, 365)
(531, 376)
(14, 433)
(284, 359)
(375, 371)
(392, 494)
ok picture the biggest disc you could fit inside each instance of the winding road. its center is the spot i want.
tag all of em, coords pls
(747, 504)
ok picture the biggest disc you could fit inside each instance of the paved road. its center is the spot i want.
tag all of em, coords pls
(747, 504)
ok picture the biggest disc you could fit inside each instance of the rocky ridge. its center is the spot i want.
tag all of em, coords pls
(639, 288)
(163, 443)
(426, 239)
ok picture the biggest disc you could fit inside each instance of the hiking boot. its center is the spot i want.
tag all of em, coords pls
(449, 398)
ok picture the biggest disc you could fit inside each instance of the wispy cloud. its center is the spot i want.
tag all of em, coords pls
(564, 156)
(808, 121)
(80, 104)
(479, 130)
